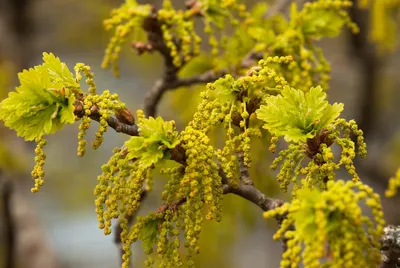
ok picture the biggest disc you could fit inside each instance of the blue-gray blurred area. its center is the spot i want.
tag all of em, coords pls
(59, 226)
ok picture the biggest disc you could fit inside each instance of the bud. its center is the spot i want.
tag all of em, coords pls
(125, 116)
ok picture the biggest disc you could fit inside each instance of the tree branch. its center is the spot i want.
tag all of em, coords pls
(252, 194)
(115, 123)
(370, 63)
(244, 170)
(6, 190)
(31, 250)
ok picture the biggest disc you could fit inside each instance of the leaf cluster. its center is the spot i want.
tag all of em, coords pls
(44, 102)
(296, 115)
(156, 138)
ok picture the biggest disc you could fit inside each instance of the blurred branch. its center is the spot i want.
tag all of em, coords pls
(16, 15)
(369, 65)
(24, 236)
(6, 189)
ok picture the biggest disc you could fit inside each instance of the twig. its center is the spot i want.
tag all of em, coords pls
(252, 194)
(244, 170)
(6, 189)
(117, 125)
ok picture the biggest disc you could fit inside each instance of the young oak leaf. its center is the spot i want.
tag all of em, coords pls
(149, 234)
(320, 23)
(156, 137)
(296, 115)
(41, 104)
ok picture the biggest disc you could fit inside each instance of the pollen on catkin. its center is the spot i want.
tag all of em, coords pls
(37, 172)
(332, 217)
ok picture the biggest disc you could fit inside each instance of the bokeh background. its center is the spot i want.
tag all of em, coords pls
(58, 227)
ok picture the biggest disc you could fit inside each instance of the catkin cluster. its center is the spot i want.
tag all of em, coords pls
(40, 158)
(315, 20)
(321, 165)
(230, 102)
(200, 184)
(119, 190)
(192, 187)
(99, 106)
(331, 226)
(178, 26)
(162, 230)
(125, 21)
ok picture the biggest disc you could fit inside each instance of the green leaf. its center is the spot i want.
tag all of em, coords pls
(151, 157)
(320, 23)
(215, 12)
(156, 137)
(149, 234)
(58, 69)
(41, 104)
(259, 9)
(297, 115)
(223, 89)
(305, 217)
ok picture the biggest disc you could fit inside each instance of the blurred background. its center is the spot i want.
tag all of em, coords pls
(58, 226)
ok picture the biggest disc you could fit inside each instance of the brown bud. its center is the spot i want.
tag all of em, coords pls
(125, 116)
(78, 108)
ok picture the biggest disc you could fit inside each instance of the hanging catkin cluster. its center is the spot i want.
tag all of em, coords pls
(119, 190)
(40, 158)
(332, 227)
(176, 27)
(101, 106)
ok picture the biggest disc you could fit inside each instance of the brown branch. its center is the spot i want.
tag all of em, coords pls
(252, 194)
(244, 170)
(248, 192)
(9, 255)
(31, 248)
(370, 64)
(173, 207)
(115, 123)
